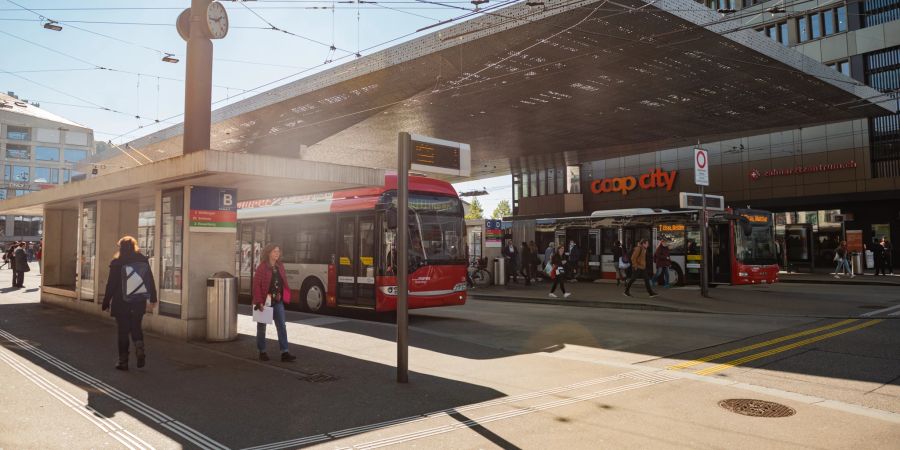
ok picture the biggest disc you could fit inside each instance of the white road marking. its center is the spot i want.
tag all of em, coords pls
(642, 377)
(882, 311)
(102, 422)
(156, 416)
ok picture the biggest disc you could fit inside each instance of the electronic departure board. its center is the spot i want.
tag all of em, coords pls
(439, 156)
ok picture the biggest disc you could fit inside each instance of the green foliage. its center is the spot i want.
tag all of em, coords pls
(502, 210)
(476, 211)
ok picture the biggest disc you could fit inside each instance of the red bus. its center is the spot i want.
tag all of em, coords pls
(339, 249)
(741, 242)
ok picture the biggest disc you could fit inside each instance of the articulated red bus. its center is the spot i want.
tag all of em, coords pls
(339, 250)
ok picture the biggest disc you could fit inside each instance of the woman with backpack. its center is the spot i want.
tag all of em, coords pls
(130, 292)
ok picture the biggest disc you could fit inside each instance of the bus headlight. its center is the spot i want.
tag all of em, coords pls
(460, 287)
(389, 290)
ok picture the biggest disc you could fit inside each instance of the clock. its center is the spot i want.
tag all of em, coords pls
(216, 21)
(183, 24)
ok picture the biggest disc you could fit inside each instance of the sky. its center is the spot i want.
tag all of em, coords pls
(104, 69)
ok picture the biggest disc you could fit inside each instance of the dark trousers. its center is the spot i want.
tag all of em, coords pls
(558, 281)
(879, 265)
(635, 273)
(18, 278)
(129, 321)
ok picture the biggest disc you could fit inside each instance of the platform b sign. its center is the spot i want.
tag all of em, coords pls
(701, 167)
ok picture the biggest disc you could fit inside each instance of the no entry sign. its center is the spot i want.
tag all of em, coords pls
(701, 167)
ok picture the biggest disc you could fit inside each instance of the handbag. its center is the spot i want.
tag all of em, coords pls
(836, 257)
(623, 264)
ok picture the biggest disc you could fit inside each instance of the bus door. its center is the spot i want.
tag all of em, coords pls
(356, 261)
(595, 269)
(720, 252)
(253, 239)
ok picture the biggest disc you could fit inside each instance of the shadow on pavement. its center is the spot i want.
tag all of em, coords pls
(226, 393)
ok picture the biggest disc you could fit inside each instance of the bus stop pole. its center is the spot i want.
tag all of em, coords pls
(403, 258)
(704, 266)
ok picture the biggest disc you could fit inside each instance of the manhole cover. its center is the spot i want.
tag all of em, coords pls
(318, 377)
(756, 408)
(872, 306)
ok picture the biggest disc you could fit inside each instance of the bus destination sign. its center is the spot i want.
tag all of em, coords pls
(434, 155)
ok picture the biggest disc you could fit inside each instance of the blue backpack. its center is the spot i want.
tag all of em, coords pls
(135, 287)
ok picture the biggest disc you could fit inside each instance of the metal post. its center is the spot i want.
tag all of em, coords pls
(198, 82)
(403, 258)
(704, 276)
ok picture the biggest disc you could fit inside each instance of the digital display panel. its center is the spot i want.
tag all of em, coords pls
(435, 155)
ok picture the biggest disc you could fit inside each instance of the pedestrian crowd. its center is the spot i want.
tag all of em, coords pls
(562, 264)
(17, 256)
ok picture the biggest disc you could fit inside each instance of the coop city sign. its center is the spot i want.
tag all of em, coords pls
(654, 179)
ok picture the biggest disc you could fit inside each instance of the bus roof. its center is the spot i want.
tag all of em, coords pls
(338, 201)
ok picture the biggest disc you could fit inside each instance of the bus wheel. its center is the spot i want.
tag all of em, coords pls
(313, 296)
(676, 275)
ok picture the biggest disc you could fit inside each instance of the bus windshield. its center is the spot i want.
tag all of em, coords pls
(757, 249)
(437, 232)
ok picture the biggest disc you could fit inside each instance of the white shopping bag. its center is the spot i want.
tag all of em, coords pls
(264, 316)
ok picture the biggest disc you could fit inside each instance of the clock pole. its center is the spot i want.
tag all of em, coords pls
(198, 81)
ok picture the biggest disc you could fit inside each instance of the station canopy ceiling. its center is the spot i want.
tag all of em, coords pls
(532, 87)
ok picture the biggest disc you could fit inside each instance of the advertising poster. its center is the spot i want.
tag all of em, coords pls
(855, 241)
(213, 210)
(493, 235)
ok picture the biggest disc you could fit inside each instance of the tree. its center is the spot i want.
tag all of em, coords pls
(475, 210)
(502, 210)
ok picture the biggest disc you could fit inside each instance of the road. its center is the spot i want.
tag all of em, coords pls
(486, 375)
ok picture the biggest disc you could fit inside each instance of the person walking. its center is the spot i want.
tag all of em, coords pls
(557, 272)
(525, 263)
(20, 258)
(639, 268)
(841, 255)
(548, 255)
(11, 258)
(510, 257)
(534, 262)
(572, 260)
(621, 263)
(663, 261)
(888, 256)
(270, 284)
(130, 292)
(38, 255)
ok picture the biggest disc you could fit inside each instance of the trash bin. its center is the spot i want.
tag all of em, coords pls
(856, 263)
(499, 271)
(221, 307)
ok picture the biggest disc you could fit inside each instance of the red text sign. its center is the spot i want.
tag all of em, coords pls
(654, 179)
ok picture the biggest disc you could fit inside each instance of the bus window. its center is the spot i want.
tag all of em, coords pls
(756, 248)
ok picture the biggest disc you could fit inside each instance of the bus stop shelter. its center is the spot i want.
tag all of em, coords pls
(153, 202)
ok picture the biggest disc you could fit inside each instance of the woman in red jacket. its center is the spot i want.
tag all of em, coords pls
(270, 283)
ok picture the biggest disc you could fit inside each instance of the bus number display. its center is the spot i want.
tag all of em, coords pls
(756, 218)
(671, 227)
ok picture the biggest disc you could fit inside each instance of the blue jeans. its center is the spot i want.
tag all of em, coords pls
(664, 271)
(278, 318)
(842, 263)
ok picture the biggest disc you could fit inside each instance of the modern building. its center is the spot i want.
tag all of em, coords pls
(819, 180)
(39, 150)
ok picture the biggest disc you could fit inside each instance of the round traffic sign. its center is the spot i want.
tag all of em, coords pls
(701, 159)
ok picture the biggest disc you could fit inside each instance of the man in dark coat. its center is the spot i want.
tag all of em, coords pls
(20, 258)
(511, 257)
(878, 256)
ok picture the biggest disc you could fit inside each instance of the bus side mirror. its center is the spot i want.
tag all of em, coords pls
(391, 217)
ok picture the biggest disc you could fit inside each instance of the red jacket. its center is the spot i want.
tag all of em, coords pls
(261, 280)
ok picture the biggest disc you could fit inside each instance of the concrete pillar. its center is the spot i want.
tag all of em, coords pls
(205, 253)
(59, 256)
(114, 219)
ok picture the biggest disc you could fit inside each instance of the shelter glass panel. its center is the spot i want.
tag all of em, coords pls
(27, 226)
(171, 241)
(88, 266)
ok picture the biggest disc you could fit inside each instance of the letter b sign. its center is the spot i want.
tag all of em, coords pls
(227, 200)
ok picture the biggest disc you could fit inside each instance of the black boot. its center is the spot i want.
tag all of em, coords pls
(123, 361)
(139, 352)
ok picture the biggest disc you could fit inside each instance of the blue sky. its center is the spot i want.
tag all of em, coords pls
(62, 69)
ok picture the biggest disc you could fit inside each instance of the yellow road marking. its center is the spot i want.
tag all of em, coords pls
(784, 348)
(704, 359)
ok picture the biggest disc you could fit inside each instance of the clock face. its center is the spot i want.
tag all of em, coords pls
(216, 20)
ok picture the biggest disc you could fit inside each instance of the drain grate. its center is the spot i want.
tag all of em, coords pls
(318, 377)
(871, 306)
(757, 408)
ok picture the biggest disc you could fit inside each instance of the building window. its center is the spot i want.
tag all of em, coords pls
(551, 182)
(842, 18)
(876, 12)
(46, 175)
(828, 18)
(802, 29)
(882, 72)
(27, 226)
(574, 180)
(534, 184)
(815, 21)
(74, 155)
(542, 182)
(17, 173)
(18, 133)
(14, 151)
(783, 33)
(46, 153)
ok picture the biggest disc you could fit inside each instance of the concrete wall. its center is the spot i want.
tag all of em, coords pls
(59, 254)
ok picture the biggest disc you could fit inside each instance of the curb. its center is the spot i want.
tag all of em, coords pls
(585, 303)
(838, 281)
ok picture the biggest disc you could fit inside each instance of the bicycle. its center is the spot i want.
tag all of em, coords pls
(478, 274)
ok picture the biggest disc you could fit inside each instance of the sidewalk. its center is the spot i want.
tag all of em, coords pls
(828, 278)
(789, 298)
